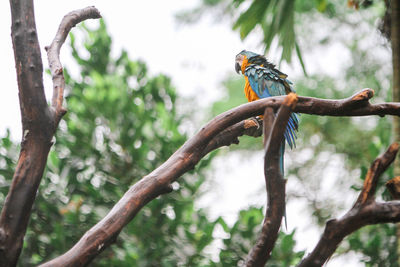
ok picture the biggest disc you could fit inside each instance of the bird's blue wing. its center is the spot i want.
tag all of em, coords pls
(266, 82)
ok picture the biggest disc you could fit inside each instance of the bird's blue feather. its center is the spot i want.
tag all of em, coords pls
(266, 82)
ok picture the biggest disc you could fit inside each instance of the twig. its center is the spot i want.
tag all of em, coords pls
(275, 183)
(95, 240)
(53, 54)
(365, 211)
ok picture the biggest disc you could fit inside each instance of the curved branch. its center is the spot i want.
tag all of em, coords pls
(375, 171)
(231, 134)
(53, 53)
(356, 105)
(95, 240)
(275, 183)
(365, 211)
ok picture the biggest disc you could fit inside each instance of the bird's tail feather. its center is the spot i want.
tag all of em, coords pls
(291, 128)
(281, 164)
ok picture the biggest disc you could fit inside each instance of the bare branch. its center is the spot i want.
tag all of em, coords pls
(95, 240)
(275, 183)
(231, 134)
(374, 172)
(53, 53)
(356, 105)
(28, 63)
(37, 132)
(268, 123)
(365, 211)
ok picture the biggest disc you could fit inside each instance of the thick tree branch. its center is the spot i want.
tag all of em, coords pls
(39, 124)
(356, 105)
(36, 124)
(365, 211)
(275, 183)
(231, 134)
(53, 53)
(95, 240)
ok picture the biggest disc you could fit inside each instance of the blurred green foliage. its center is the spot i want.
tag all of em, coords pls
(376, 244)
(243, 235)
(121, 124)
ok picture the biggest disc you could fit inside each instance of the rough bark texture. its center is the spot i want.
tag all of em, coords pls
(39, 123)
(395, 41)
(393, 15)
(53, 54)
(274, 181)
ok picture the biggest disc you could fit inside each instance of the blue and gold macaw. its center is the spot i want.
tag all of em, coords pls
(263, 80)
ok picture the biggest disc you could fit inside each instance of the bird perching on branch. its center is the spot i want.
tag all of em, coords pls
(263, 80)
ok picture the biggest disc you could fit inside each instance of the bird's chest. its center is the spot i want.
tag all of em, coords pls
(249, 93)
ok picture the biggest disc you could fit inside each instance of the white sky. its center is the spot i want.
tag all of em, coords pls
(197, 57)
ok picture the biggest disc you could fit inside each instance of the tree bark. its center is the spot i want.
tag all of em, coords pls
(395, 42)
(274, 128)
(37, 126)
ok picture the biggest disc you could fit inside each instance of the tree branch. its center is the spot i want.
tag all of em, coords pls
(36, 123)
(231, 134)
(356, 105)
(39, 124)
(275, 183)
(53, 53)
(375, 171)
(365, 211)
(95, 240)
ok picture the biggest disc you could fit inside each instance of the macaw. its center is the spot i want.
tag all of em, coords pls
(263, 80)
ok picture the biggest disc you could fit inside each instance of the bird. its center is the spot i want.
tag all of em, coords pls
(262, 80)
